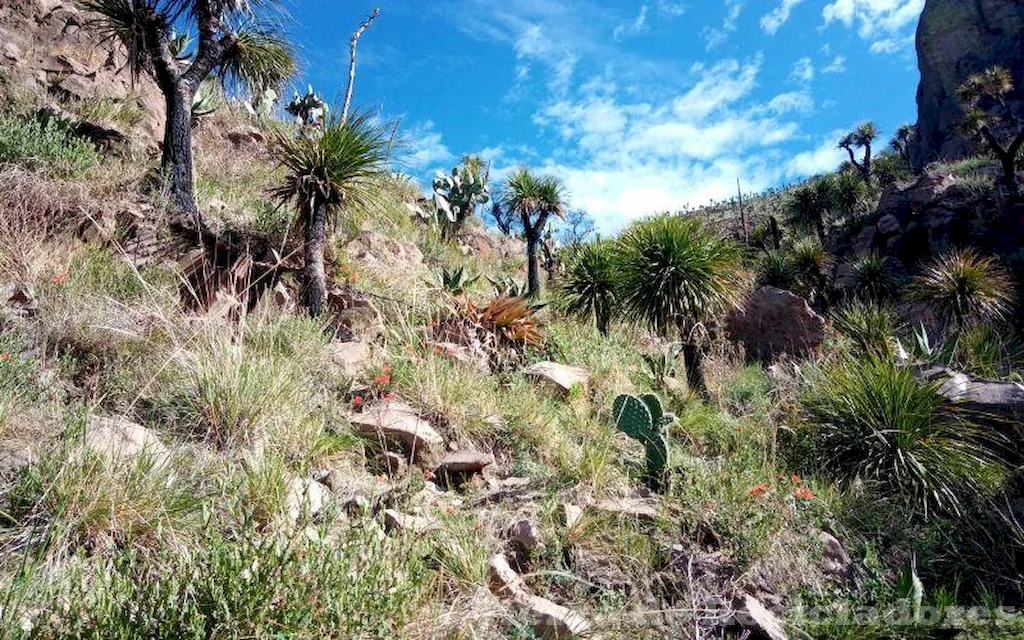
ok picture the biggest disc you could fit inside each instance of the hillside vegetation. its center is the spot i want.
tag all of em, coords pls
(323, 404)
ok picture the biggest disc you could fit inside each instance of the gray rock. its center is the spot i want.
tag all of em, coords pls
(889, 225)
(19, 298)
(121, 441)
(773, 322)
(560, 377)
(526, 532)
(640, 508)
(349, 357)
(398, 422)
(464, 461)
(306, 497)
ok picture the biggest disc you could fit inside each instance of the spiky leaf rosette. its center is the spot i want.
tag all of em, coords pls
(674, 273)
(588, 286)
(965, 288)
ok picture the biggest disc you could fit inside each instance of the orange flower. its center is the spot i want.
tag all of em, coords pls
(59, 279)
(358, 401)
(796, 479)
(758, 490)
(6, 355)
(803, 493)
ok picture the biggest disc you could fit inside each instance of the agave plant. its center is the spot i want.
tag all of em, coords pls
(588, 286)
(325, 173)
(456, 281)
(776, 269)
(874, 422)
(674, 275)
(964, 289)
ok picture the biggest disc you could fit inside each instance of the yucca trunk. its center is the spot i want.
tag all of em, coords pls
(176, 161)
(533, 262)
(693, 362)
(315, 274)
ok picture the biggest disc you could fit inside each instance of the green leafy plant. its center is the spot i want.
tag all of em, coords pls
(875, 277)
(51, 145)
(872, 326)
(964, 289)
(456, 281)
(922, 349)
(644, 419)
(588, 286)
(873, 421)
(660, 366)
(776, 269)
(673, 275)
(458, 194)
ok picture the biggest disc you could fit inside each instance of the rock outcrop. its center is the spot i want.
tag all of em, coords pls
(956, 39)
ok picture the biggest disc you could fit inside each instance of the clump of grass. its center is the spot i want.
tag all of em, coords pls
(965, 289)
(874, 422)
(27, 140)
(991, 352)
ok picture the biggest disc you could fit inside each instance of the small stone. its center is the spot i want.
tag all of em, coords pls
(397, 421)
(121, 441)
(11, 51)
(20, 298)
(404, 523)
(305, 497)
(560, 377)
(571, 514)
(889, 225)
(640, 508)
(465, 461)
(755, 614)
(526, 533)
(349, 357)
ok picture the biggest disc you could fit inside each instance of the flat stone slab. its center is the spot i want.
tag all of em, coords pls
(553, 620)
(465, 461)
(639, 508)
(560, 377)
(399, 422)
(349, 357)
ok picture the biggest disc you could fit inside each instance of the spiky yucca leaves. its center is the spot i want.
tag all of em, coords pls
(990, 352)
(588, 286)
(860, 138)
(533, 199)
(673, 275)
(325, 172)
(875, 277)
(872, 326)
(983, 97)
(964, 289)
(875, 422)
(262, 59)
(810, 262)
(776, 269)
(813, 204)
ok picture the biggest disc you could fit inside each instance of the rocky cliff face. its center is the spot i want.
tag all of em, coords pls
(47, 49)
(955, 39)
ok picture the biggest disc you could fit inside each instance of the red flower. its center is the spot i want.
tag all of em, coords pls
(358, 401)
(803, 493)
(389, 397)
(382, 381)
(796, 479)
(6, 355)
(758, 490)
(59, 279)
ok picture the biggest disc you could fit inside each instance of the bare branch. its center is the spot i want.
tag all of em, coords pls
(352, 62)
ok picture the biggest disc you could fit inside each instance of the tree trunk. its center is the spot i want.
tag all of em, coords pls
(315, 275)
(867, 162)
(603, 319)
(819, 227)
(532, 263)
(693, 361)
(176, 162)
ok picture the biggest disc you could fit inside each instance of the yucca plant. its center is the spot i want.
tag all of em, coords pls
(231, 42)
(674, 275)
(326, 171)
(875, 422)
(860, 138)
(533, 199)
(872, 326)
(588, 286)
(810, 262)
(983, 97)
(875, 277)
(776, 269)
(964, 289)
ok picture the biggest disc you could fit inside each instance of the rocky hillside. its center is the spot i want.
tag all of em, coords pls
(956, 39)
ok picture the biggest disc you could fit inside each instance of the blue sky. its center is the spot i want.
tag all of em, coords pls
(638, 105)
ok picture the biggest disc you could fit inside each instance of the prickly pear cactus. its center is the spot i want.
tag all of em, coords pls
(644, 419)
(457, 195)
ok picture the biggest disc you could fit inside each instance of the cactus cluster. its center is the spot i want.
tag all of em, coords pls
(309, 109)
(643, 418)
(457, 195)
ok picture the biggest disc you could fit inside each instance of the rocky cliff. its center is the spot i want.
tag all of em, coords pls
(955, 39)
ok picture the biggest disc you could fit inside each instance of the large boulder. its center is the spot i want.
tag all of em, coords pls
(772, 322)
(996, 399)
(956, 39)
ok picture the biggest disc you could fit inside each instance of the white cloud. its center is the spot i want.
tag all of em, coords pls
(825, 157)
(837, 65)
(772, 21)
(637, 26)
(882, 21)
(671, 9)
(792, 102)
(717, 36)
(425, 149)
(802, 71)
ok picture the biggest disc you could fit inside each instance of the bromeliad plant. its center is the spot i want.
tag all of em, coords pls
(643, 418)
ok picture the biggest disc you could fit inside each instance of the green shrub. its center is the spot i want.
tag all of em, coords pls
(874, 422)
(991, 352)
(872, 326)
(776, 269)
(52, 146)
(875, 277)
(588, 286)
(964, 289)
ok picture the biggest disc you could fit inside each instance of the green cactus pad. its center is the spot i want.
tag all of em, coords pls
(632, 416)
(657, 460)
(653, 403)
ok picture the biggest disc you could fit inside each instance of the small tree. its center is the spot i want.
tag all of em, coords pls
(578, 228)
(988, 117)
(861, 138)
(811, 204)
(674, 274)
(900, 142)
(532, 199)
(328, 170)
(249, 54)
